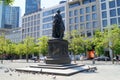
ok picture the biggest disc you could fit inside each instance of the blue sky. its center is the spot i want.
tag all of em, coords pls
(44, 3)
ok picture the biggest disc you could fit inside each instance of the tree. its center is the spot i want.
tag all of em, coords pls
(43, 45)
(20, 49)
(2, 47)
(98, 41)
(29, 46)
(8, 2)
(76, 44)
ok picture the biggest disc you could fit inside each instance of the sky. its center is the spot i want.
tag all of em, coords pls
(44, 3)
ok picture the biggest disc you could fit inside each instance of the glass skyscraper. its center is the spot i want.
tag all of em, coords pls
(9, 16)
(32, 6)
(1, 14)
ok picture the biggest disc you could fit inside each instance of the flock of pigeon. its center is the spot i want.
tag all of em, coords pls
(10, 71)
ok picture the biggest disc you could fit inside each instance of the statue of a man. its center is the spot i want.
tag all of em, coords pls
(58, 26)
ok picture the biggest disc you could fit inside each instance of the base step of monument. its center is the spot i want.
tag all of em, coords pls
(52, 66)
(57, 70)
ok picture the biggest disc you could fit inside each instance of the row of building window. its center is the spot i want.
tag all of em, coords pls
(46, 13)
(112, 4)
(47, 32)
(32, 23)
(50, 18)
(34, 35)
(112, 21)
(46, 26)
(89, 25)
(31, 18)
(32, 29)
(80, 3)
(113, 13)
(82, 18)
(82, 11)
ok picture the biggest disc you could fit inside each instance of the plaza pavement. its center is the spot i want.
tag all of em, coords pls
(106, 71)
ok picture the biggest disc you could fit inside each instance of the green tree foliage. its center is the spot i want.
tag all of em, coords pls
(8, 2)
(29, 46)
(98, 41)
(76, 43)
(113, 38)
(43, 45)
(20, 49)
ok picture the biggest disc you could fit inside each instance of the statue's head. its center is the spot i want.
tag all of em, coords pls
(58, 11)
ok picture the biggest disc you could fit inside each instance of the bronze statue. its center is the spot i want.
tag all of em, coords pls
(58, 26)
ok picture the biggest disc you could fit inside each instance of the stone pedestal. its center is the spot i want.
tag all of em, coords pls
(58, 52)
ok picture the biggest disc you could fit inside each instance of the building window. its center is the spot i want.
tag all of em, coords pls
(87, 9)
(119, 20)
(76, 27)
(71, 28)
(28, 18)
(89, 33)
(75, 12)
(88, 17)
(38, 22)
(46, 26)
(102, 0)
(76, 20)
(74, 5)
(118, 11)
(35, 17)
(82, 11)
(112, 4)
(82, 26)
(95, 24)
(70, 13)
(103, 6)
(118, 2)
(71, 21)
(88, 25)
(81, 18)
(38, 16)
(93, 8)
(104, 14)
(92, 0)
(104, 22)
(112, 12)
(25, 19)
(48, 19)
(94, 16)
(86, 1)
(31, 18)
(113, 21)
(63, 15)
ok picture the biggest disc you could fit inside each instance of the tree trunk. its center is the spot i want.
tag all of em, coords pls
(39, 57)
(2, 60)
(26, 57)
(74, 59)
(20, 56)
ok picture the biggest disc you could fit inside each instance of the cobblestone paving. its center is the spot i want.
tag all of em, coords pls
(106, 71)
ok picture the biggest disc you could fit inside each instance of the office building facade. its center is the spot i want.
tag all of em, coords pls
(83, 16)
(12, 16)
(32, 6)
(9, 16)
(86, 16)
(40, 23)
(110, 13)
(2, 14)
(14, 35)
(31, 25)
